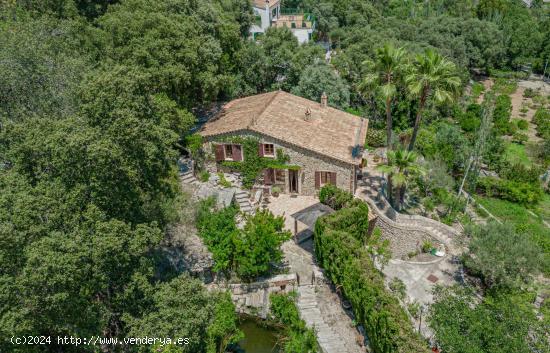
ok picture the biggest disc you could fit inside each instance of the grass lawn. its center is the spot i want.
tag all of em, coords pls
(516, 153)
(523, 221)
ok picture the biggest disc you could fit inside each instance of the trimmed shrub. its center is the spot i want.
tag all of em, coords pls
(334, 198)
(340, 250)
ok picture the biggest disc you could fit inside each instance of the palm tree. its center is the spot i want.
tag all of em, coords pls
(432, 76)
(401, 167)
(384, 72)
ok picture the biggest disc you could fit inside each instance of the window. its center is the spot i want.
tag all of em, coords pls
(293, 25)
(229, 152)
(304, 25)
(280, 176)
(269, 149)
(325, 178)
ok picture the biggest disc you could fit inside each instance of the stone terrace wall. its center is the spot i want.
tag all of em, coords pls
(253, 298)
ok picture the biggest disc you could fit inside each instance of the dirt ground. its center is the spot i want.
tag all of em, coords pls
(519, 102)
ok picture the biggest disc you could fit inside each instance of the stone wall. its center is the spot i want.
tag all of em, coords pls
(309, 163)
(403, 239)
(253, 298)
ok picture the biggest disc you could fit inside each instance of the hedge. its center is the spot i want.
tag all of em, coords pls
(334, 198)
(339, 248)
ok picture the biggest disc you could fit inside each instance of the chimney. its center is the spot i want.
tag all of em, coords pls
(308, 114)
(324, 100)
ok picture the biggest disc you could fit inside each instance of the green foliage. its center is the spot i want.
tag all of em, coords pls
(501, 257)
(523, 221)
(260, 244)
(511, 190)
(249, 252)
(529, 93)
(335, 198)
(427, 246)
(504, 86)
(498, 323)
(520, 138)
(223, 182)
(339, 248)
(319, 79)
(183, 308)
(477, 89)
(298, 338)
(376, 138)
(398, 287)
(542, 120)
(522, 124)
(219, 232)
(204, 176)
(252, 164)
(502, 113)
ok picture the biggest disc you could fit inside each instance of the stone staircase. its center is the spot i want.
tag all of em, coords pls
(243, 200)
(329, 340)
(370, 190)
(189, 178)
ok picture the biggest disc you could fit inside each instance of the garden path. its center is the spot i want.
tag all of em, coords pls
(319, 305)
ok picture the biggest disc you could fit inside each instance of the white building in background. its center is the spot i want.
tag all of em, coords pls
(268, 14)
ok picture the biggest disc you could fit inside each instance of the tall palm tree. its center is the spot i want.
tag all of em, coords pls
(401, 167)
(384, 72)
(432, 76)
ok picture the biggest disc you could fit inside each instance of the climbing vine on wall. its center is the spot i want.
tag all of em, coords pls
(253, 164)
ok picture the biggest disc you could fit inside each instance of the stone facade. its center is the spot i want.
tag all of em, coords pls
(253, 298)
(308, 161)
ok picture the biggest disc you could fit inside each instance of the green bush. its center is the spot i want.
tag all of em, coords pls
(340, 250)
(522, 124)
(529, 93)
(334, 198)
(520, 137)
(204, 176)
(248, 252)
(376, 138)
(511, 190)
(299, 338)
(542, 120)
(223, 182)
(501, 114)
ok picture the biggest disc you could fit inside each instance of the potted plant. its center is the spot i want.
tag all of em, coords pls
(275, 191)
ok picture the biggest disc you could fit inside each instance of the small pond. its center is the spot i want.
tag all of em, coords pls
(258, 338)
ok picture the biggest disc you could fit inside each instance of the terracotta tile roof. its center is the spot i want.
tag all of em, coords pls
(281, 115)
(261, 3)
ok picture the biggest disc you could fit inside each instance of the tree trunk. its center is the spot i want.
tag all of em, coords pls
(390, 191)
(402, 197)
(418, 118)
(388, 123)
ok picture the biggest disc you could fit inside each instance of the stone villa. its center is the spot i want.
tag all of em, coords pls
(323, 145)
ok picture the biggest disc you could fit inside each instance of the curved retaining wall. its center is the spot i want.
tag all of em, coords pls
(404, 238)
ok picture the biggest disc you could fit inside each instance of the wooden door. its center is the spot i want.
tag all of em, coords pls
(293, 181)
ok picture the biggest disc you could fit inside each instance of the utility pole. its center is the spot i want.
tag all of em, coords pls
(544, 72)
